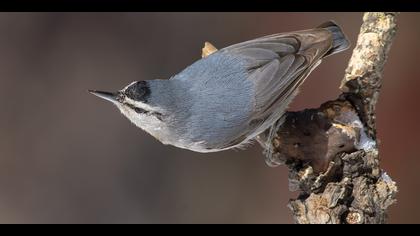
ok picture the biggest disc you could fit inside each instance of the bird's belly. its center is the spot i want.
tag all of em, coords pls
(201, 147)
(211, 136)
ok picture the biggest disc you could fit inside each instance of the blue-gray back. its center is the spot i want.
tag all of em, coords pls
(214, 101)
(236, 93)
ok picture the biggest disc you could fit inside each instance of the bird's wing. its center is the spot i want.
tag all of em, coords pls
(277, 65)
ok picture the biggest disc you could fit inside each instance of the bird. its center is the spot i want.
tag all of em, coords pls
(231, 95)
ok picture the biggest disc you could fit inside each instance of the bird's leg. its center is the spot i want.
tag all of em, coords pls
(208, 49)
(265, 140)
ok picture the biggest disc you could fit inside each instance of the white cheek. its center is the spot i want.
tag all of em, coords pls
(128, 113)
(145, 122)
(133, 116)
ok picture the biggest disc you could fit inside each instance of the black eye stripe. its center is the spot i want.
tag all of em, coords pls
(138, 110)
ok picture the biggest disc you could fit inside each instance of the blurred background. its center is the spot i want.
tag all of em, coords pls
(68, 157)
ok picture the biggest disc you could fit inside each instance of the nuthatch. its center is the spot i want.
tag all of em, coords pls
(230, 96)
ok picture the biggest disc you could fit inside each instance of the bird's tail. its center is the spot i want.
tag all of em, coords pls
(340, 41)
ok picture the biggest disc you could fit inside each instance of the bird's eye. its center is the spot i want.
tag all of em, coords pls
(139, 91)
(139, 110)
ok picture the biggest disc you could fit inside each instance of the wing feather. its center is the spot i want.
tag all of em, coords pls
(277, 65)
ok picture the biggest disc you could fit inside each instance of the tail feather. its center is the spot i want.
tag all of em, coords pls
(340, 41)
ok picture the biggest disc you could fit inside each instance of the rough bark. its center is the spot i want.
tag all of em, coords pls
(332, 151)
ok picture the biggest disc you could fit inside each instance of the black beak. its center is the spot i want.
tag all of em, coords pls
(112, 97)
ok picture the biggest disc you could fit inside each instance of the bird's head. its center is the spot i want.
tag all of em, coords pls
(133, 102)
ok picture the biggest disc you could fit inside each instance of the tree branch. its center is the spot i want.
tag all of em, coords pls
(331, 151)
